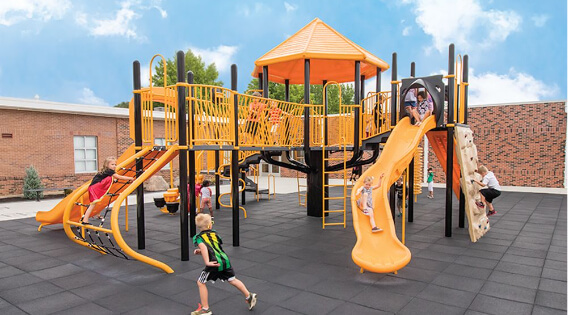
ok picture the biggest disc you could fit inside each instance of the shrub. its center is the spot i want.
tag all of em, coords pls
(32, 181)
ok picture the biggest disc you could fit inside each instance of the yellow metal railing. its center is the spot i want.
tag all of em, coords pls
(376, 114)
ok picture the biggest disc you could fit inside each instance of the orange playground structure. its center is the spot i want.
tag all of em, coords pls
(257, 128)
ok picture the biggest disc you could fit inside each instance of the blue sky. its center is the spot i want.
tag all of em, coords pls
(82, 51)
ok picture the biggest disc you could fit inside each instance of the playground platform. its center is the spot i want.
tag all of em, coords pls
(519, 267)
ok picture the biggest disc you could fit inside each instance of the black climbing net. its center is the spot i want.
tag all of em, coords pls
(93, 237)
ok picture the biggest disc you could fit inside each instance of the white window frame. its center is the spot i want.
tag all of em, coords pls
(162, 142)
(84, 149)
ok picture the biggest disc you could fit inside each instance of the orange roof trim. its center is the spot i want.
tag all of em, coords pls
(332, 57)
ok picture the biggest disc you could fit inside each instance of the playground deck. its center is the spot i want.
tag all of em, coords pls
(519, 267)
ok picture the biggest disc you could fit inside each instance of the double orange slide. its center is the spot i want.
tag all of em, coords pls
(382, 252)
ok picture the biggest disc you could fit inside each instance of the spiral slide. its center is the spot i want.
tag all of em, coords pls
(55, 215)
(382, 252)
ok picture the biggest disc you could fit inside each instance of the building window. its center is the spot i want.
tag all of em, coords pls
(162, 142)
(85, 154)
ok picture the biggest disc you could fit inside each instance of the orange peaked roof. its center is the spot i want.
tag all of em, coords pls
(332, 57)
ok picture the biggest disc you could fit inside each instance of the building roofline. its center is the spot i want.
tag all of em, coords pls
(67, 108)
(516, 103)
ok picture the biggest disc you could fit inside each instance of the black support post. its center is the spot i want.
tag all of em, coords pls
(243, 193)
(183, 155)
(287, 90)
(450, 144)
(265, 82)
(362, 97)
(411, 168)
(191, 160)
(217, 180)
(465, 79)
(141, 229)
(312, 158)
(393, 111)
(235, 162)
(357, 113)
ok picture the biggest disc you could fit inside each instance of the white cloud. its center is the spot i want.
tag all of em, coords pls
(540, 20)
(464, 23)
(145, 73)
(122, 21)
(14, 11)
(493, 88)
(120, 25)
(406, 31)
(88, 97)
(290, 7)
(257, 8)
(222, 56)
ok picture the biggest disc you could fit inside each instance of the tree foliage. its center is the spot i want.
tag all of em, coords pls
(32, 181)
(202, 73)
(277, 91)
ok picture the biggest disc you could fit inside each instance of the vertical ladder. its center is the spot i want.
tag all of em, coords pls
(328, 199)
(302, 196)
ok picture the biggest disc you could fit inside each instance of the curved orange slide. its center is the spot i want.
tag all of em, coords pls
(439, 142)
(382, 252)
(55, 215)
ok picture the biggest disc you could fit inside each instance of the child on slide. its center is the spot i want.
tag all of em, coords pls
(365, 202)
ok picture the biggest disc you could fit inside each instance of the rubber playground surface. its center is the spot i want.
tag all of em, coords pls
(519, 267)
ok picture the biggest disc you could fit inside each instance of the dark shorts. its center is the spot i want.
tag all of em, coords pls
(225, 275)
(411, 104)
(490, 194)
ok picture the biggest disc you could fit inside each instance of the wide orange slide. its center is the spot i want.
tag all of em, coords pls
(55, 215)
(383, 252)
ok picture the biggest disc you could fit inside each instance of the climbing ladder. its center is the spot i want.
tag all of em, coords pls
(329, 204)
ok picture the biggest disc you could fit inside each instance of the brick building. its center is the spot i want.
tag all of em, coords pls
(524, 144)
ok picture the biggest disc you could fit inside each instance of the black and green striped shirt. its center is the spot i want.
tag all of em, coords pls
(216, 253)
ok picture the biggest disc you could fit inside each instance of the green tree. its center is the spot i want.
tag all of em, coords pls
(122, 105)
(32, 181)
(202, 73)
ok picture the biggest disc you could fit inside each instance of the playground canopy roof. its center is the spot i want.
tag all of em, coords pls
(332, 57)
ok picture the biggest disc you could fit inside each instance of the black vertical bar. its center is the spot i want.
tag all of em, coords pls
(357, 96)
(465, 79)
(377, 89)
(450, 144)
(141, 232)
(393, 111)
(287, 90)
(325, 141)
(265, 82)
(411, 168)
(362, 97)
(394, 91)
(307, 111)
(235, 160)
(182, 125)
(217, 180)
(260, 81)
(191, 159)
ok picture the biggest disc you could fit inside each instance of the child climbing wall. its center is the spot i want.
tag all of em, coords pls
(466, 152)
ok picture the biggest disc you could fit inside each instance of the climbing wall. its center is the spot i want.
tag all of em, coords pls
(466, 152)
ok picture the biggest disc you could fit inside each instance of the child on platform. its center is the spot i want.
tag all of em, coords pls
(217, 264)
(365, 202)
(206, 194)
(100, 185)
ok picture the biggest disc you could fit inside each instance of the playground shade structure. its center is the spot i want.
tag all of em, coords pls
(383, 252)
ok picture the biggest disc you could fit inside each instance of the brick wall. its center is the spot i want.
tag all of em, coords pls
(524, 145)
(45, 140)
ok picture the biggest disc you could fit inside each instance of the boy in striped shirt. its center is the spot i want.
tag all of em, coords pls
(217, 264)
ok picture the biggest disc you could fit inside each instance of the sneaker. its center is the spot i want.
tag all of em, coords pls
(399, 215)
(480, 204)
(251, 301)
(376, 229)
(490, 213)
(202, 311)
